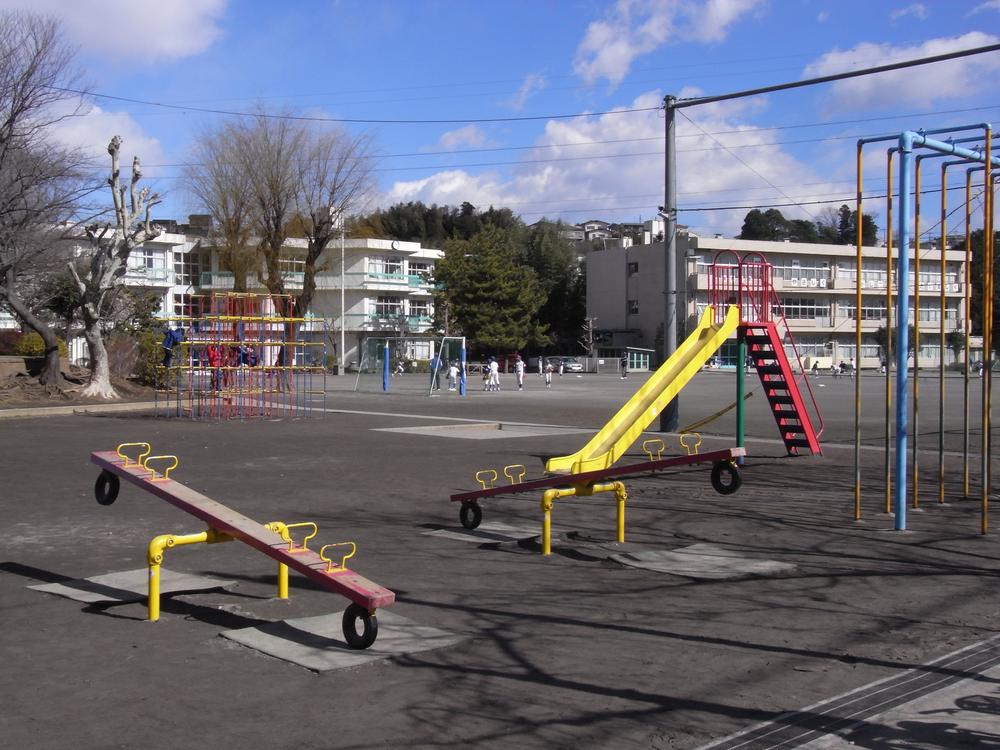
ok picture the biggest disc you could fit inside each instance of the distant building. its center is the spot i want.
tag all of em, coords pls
(815, 283)
(387, 283)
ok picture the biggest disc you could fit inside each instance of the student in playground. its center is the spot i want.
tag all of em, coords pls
(519, 372)
(494, 374)
(171, 338)
(549, 369)
(623, 366)
(214, 354)
(452, 375)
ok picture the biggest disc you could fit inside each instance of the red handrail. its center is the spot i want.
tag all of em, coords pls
(747, 282)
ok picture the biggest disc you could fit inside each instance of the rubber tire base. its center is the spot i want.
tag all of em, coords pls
(367, 637)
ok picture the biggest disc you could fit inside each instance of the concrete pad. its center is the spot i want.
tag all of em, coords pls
(317, 643)
(130, 586)
(488, 532)
(486, 430)
(702, 561)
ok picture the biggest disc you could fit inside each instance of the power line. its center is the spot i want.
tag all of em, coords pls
(694, 101)
(352, 120)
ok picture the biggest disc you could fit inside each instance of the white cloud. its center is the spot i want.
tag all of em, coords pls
(917, 10)
(632, 28)
(988, 5)
(140, 32)
(824, 16)
(93, 131)
(470, 135)
(532, 84)
(598, 177)
(923, 85)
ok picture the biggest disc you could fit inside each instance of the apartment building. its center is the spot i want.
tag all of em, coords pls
(816, 285)
(387, 285)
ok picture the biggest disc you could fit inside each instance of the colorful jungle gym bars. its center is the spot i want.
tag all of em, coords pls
(241, 359)
(978, 154)
(133, 462)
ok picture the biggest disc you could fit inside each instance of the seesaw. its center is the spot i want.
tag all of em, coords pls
(152, 474)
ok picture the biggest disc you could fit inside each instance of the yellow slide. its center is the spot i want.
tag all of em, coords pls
(617, 436)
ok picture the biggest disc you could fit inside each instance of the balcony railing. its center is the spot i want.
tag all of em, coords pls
(143, 275)
(325, 281)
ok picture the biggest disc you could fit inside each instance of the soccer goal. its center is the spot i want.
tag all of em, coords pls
(410, 364)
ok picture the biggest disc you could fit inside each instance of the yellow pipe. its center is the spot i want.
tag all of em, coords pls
(154, 558)
(582, 490)
(888, 337)
(548, 497)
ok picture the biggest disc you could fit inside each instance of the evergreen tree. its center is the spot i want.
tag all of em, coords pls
(492, 297)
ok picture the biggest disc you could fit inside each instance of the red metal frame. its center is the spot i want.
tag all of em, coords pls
(746, 281)
(217, 516)
(588, 477)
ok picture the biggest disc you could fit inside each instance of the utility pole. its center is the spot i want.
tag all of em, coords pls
(670, 415)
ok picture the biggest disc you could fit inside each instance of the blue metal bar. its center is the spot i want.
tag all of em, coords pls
(909, 140)
(461, 370)
(385, 366)
(902, 322)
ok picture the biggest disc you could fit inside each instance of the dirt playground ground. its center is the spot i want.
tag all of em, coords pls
(572, 650)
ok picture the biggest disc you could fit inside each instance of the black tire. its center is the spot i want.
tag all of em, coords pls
(369, 632)
(470, 514)
(106, 488)
(726, 477)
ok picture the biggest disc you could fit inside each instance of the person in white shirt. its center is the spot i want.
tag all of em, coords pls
(494, 384)
(452, 376)
(519, 372)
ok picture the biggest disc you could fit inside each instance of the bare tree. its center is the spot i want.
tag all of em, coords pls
(110, 247)
(41, 183)
(268, 150)
(224, 190)
(335, 178)
(299, 180)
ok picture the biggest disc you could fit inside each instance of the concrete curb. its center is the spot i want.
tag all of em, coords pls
(56, 411)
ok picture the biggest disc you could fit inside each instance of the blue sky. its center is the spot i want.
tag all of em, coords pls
(468, 61)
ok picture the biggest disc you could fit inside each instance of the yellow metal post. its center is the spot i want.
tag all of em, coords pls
(282, 581)
(547, 499)
(154, 558)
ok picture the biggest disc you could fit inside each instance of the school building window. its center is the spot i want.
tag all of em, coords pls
(188, 268)
(804, 308)
(633, 268)
(388, 306)
(632, 307)
(388, 265)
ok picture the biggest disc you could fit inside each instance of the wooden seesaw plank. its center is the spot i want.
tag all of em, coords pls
(568, 480)
(343, 581)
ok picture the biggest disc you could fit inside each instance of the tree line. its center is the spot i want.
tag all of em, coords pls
(835, 228)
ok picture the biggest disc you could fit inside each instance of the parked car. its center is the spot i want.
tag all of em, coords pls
(570, 364)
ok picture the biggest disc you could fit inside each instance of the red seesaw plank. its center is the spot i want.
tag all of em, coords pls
(566, 480)
(342, 581)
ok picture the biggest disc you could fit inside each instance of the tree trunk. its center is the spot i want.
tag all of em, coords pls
(100, 373)
(50, 374)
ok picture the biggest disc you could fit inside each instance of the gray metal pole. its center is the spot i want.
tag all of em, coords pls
(670, 415)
